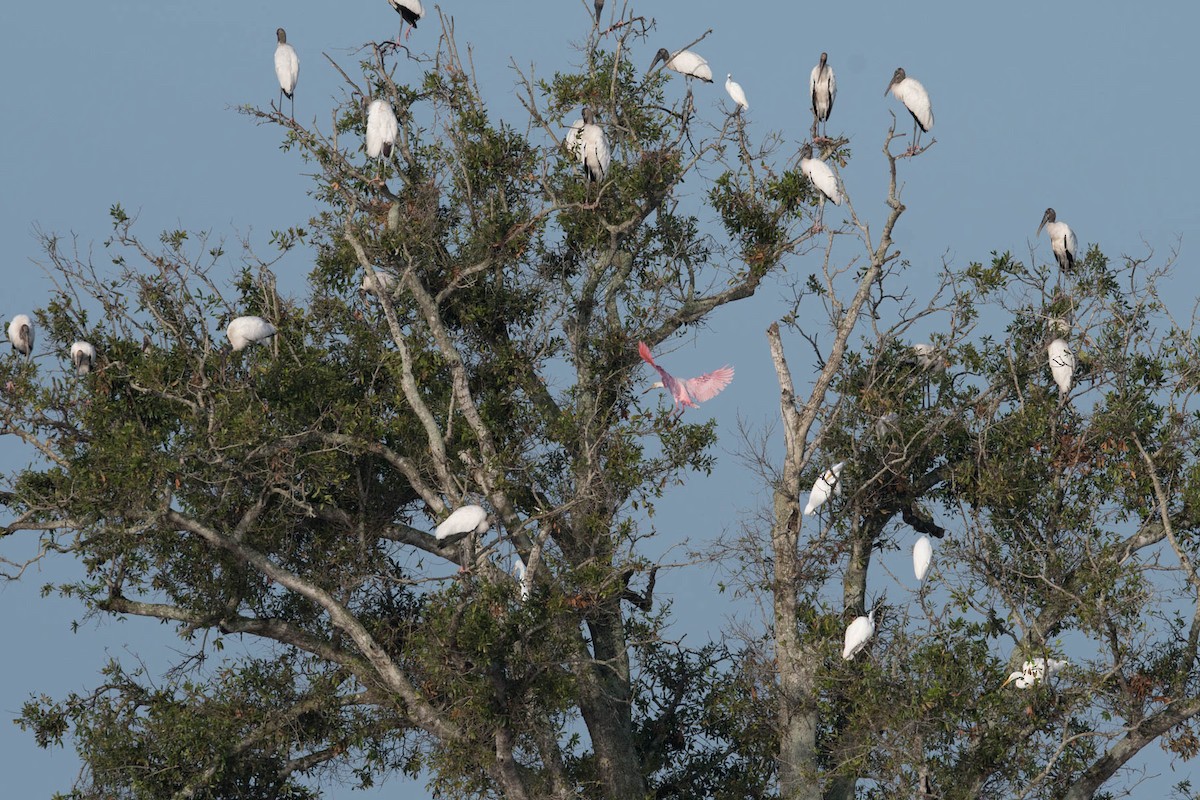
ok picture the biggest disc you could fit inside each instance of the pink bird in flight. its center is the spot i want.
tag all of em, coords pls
(690, 391)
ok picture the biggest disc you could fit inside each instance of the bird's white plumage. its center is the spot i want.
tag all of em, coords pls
(1062, 240)
(825, 486)
(1062, 364)
(912, 94)
(287, 64)
(822, 88)
(922, 557)
(822, 177)
(523, 576)
(381, 129)
(735, 92)
(467, 519)
(858, 633)
(245, 331)
(571, 142)
(593, 150)
(83, 356)
(21, 334)
(409, 10)
(685, 62)
(377, 284)
(1034, 671)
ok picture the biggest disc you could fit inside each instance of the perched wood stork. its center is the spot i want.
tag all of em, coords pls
(1062, 364)
(1062, 240)
(287, 69)
(922, 557)
(685, 62)
(928, 361)
(410, 11)
(83, 356)
(592, 147)
(735, 93)
(381, 129)
(828, 484)
(20, 333)
(910, 92)
(858, 633)
(822, 177)
(245, 331)
(687, 391)
(378, 284)
(822, 86)
(1034, 671)
(463, 521)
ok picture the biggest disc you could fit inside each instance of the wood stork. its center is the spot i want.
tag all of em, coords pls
(735, 93)
(828, 484)
(1062, 240)
(381, 129)
(1062, 364)
(822, 86)
(685, 62)
(465, 520)
(20, 333)
(910, 92)
(922, 557)
(822, 177)
(245, 331)
(378, 284)
(858, 633)
(83, 356)
(1034, 671)
(410, 11)
(287, 69)
(592, 147)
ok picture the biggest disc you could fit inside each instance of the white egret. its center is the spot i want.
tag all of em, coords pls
(685, 62)
(735, 92)
(378, 284)
(858, 633)
(381, 129)
(822, 177)
(410, 11)
(465, 520)
(830, 482)
(1062, 240)
(83, 356)
(593, 147)
(20, 333)
(1034, 671)
(523, 577)
(1062, 364)
(922, 557)
(910, 92)
(245, 331)
(287, 69)
(822, 87)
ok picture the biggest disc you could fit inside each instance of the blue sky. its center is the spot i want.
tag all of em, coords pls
(1087, 107)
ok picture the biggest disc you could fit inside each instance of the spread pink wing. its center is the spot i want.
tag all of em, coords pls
(708, 385)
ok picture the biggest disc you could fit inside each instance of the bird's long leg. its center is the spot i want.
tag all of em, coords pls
(293, 99)
(819, 225)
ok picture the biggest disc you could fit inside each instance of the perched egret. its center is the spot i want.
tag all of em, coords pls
(735, 92)
(592, 147)
(83, 356)
(1034, 671)
(245, 331)
(465, 520)
(822, 177)
(378, 284)
(858, 633)
(1062, 364)
(822, 86)
(523, 577)
(20, 333)
(922, 557)
(410, 11)
(1062, 240)
(287, 68)
(830, 482)
(685, 62)
(910, 92)
(689, 391)
(381, 129)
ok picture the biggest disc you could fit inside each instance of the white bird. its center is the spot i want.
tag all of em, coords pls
(245, 331)
(381, 129)
(735, 92)
(523, 577)
(910, 92)
(571, 142)
(20, 333)
(378, 284)
(593, 147)
(858, 633)
(468, 519)
(1062, 364)
(822, 87)
(822, 177)
(83, 356)
(287, 69)
(1034, 671)
(410, 11)
(1062, 240)
(922, 557)
(685, 62)
(829, 482)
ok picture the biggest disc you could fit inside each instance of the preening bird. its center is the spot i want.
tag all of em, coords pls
(829, 483)
(689, 391)
(378, 284)
(592, 147)
(20, 333)
(465, 520)
(822, 177)
(410, 11)
(735, 92)
(1062, 240)
(1062, 364)
(910, 92)
(922, 557)
(685, 62)
(381, 129)
(83, 356)
(858, 633)
(822, 87)
(523, 577)
(1034, 671)
(245, 331)
(287, 69)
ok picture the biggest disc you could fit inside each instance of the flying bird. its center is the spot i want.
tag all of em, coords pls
(685, 62)
(1062, 240)
(910, 92)
(592, 147)
(829, 482)
(287, 69)
(922, 557)
(245, 331)
(858, 633)
(410, 11)
(822, 86)
(464, 520)
(83, 356)
(690, 391)
(1062, 364)
(735, 92)
(20, 333)
(381, 129)
(1034, 671)
(822, 177)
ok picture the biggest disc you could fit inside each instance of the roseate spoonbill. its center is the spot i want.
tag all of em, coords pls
(822, 177)
(465, 520)
(735, 92)
(922, 557)
(1062, 240)
(83, 356)
(287, 69)
(910, 92)
(592, 147)
(1034, 671)
(690, 391)
(822, 86)
(381, 129)
(685, 62)
(20, 333)
(829, 482)
(245, 331)
(410, 11)
(858, 633)
(1062, 364)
